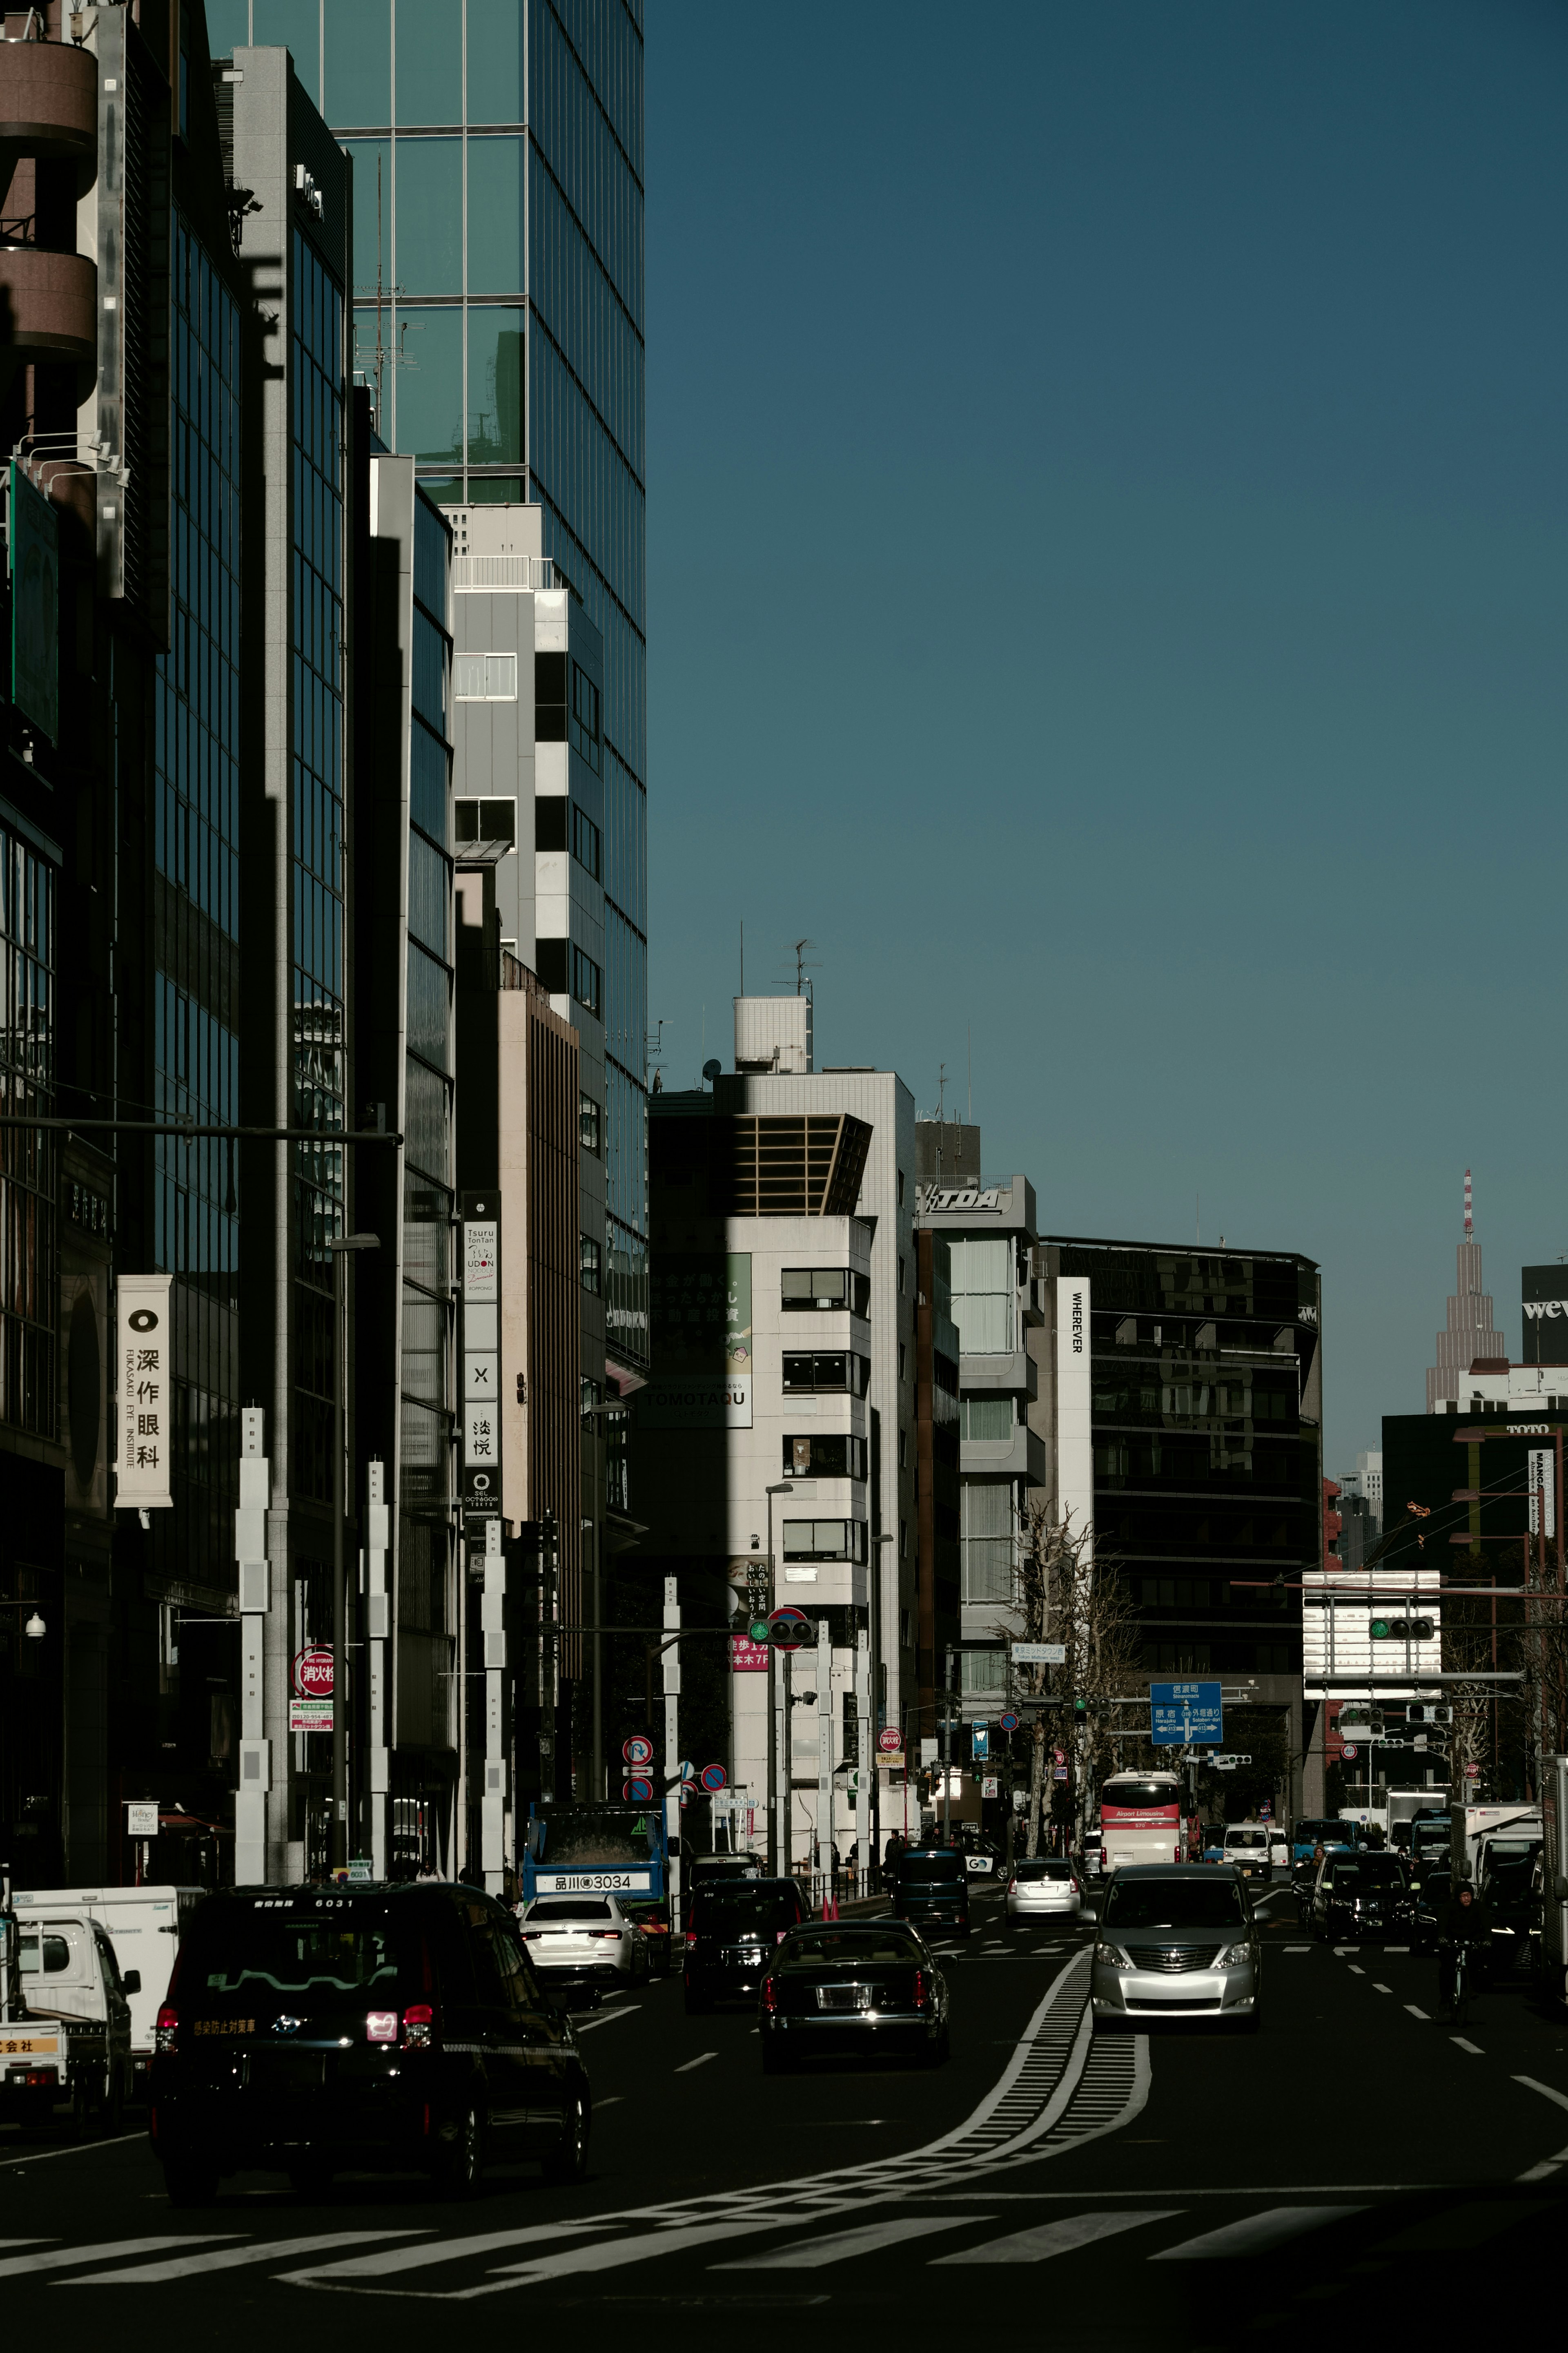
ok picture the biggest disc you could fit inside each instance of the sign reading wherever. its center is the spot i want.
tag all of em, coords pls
(144, 1356)
(1182, 1714)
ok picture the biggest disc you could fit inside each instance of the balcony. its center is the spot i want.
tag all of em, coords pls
(48, 106)
(48, 303)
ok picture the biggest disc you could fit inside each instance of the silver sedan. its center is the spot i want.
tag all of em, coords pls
(585, 1940)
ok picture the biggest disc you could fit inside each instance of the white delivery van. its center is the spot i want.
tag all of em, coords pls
(144, 1925)
(1247, 1848)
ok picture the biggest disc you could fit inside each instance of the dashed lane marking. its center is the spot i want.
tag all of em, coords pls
(838, 2246)
(1545, 2090)
(700, 2060)
(1473, 2048)
(1416, 2011)
(1356, 1969)
(56, 2257)
(222, 2259)
(1380, 1988)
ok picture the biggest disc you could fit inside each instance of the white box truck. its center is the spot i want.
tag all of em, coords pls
(144, 1925)
(1555, 1877)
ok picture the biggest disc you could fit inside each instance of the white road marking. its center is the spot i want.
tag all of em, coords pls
(1341, 1950)
(1254, 2234)
(222, 2259)
(1396, 1949)
(700, 2060)
(40, 2156)
(1356, 1969)
(840, 2245)
(1047, 2238)
(58, 2257)
(608, 2018)
(434, 2251)
(609, 2102)
(1545, 2090)
(1416, 2012)
(610, 2254)
(1295, 1948)
(25, 2243)
(1543, 2173)
(1380, 1988)
(1473, 2048)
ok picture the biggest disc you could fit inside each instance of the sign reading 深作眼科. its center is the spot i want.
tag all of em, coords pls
(144, 1364)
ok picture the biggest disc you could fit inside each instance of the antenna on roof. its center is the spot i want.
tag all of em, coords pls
(1470, 1209)
(803, 986)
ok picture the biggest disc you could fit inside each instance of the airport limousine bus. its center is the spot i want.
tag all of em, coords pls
(1141, 1820)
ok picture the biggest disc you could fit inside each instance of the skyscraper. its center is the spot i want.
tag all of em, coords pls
(1471, 1335)
(497, 279)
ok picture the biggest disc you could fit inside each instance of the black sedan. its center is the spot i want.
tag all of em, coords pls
(849, 1991)
(1360, 1895)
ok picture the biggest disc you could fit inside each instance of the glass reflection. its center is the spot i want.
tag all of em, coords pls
(429, 60)
(357, 35)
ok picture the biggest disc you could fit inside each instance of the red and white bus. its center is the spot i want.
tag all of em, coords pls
(1141, 1820)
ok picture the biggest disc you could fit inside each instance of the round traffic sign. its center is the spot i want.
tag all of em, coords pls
(890, 1741)
(1008, 1720)
(313, 1674)
(713, 1777)
(789, 1629)
(1349, 1749)
(639, 1750)
(638, 1791)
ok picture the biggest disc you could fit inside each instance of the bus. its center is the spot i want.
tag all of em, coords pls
(575, 1849)
(1141, 1820)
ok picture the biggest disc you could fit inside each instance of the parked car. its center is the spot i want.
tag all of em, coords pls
(585, 1943)
(929, 1887)
(849, 1989)
(1043, 1887)
(381, 2028)
(143, 1927)
(1358, 1895)
(733, 1927)
(1177, 1941)
(1511, 1891)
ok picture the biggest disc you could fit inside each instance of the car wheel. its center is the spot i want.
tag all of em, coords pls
(190, 2181)
(568, 2160)
(457, 2157)
(777, 2058)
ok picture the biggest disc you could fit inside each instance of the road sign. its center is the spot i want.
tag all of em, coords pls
(639, 1750)
(1348, 1750)
(979, 1741)
(991, 1786)
(687, 1769)
(789, 1629)
(1183, 1714)
(1009, 1722)
(890, 1739)
(712, 1778)
(313, 1674)
(638, 1791)
(1058, 1756)
(1472, 1772)
(927, 1750)
(1039, 1654)
(1058, 1772)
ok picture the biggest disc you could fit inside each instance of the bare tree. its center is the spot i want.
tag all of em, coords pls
(1066, 1594)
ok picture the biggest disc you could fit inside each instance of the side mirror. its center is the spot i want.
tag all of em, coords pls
(131, 1982)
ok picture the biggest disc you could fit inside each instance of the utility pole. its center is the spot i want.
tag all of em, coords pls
(378, 1632)
(673, 1784)
(823, 1745)
(865, 1763)
(340, 1246)
(492, 1628)
(549, 1609)
(947, 1749)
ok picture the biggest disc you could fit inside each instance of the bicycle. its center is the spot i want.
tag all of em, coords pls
(1456, 1999)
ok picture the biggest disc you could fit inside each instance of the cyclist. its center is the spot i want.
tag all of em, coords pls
(1464, 1920)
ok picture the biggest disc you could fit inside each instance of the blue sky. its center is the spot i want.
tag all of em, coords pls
(1107, 489)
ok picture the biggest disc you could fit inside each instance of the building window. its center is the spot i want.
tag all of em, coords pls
(836, 1369)
(982, 1672)
(902, 1360)
(585, 843)
(588, 1261)
(903, 1539)
(588, 1124)
(550, 821)
(989, 1420)
(836, 1454)
(903, 1450)
(584, 737)
(813, 1287)
(986, 1525)
(587, 982)
(550, 698)
(484, 677)
(984, 1297)
(900, 1188)
(824, 1540)
(487, 820)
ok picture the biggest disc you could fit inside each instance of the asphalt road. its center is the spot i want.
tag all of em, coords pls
(1353, 2165)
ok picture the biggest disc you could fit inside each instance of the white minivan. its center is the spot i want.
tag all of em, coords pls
(1246, 1846)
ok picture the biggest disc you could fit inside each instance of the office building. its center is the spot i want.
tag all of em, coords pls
(1471, 1332)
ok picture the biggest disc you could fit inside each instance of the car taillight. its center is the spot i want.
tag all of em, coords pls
(163, 2032)
(419, 2026)
(1176, 1855)
(690, 1939)
(531, 1935)
(1102, 1858)
(613, 1933)
(920, 1989)
(1074, 1885)
(770, 1995)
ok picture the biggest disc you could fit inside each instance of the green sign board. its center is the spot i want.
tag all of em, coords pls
(33, 554)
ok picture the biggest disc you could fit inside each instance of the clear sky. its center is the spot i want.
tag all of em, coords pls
(1107, 489)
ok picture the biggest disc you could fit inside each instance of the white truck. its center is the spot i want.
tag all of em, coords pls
(143, 1925)
(1555, 1877)
(65, 2020)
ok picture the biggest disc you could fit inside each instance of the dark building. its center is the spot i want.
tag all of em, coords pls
(938, 1615)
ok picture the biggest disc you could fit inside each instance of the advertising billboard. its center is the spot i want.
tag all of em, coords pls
(701, 1319)
(144, 1357)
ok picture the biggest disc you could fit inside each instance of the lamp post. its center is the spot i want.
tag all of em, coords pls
(34, 1628)
(778, 1810)
(339, 1248)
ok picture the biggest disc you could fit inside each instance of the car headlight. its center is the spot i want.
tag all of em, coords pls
(1233, 1957)
(1113, 1958)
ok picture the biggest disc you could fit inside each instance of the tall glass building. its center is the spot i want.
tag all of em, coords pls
(498, 284)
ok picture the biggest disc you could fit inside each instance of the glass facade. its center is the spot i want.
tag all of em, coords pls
(1207, 1455)
(317, 841)
(30, 1287)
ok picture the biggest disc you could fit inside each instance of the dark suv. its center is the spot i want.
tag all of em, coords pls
(390, 2028)
(731, 1934)
(930, 1888)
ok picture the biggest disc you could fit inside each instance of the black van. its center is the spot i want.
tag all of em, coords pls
(929, 1887)
(389, 2029)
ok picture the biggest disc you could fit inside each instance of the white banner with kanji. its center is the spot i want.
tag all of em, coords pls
(144, 1356)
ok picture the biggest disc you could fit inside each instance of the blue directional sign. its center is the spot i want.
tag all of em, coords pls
(1185, 1714)
(979, 1740)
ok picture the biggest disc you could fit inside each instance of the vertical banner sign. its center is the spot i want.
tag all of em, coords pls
(1542, 1481)
(1075, 1418)
(35, 606)
(145, 1355)
(481, 1355)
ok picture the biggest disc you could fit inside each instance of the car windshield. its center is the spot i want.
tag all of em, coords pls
(925, 1864)
(1196, 1903)
(1247, 1838)
(729, 1911)
(847, 1948)
(569, 1907)
(329, 1963)
(1368, 1871)
(1323, 1834)
(1041, 1870)
(1139, 1796)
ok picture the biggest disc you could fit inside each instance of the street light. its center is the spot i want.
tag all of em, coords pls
(34, 1628)
(340, 1246)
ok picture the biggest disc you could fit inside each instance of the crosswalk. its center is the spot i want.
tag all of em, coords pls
(924, 2231)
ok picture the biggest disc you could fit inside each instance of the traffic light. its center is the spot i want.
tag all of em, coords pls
(1079, 1709)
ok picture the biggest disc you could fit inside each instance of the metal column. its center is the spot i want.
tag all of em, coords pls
(493, 1799)
(866, 1752)
(378, 1638)
(255, 1606)
(823, 1745)
(672, 1785)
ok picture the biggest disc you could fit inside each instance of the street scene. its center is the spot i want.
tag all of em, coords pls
(774, 800)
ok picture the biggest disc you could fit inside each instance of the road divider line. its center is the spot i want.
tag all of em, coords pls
(1545, 2171)
(1047, 2238)
(700, 2060)
(609, 2017)
(1416, 2012)
(81, 2149)
(1545, 2090)
(1380, 1988)
(1473, 2048)
(392, 2259)
(838, 2246)
(56, 2258)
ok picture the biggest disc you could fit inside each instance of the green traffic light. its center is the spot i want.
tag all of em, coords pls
(759, 1629)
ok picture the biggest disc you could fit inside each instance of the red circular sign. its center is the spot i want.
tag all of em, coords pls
(1349, 1749)
(313, 1674)
(790, 1627)
(890, 1740)
(639, 1750)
